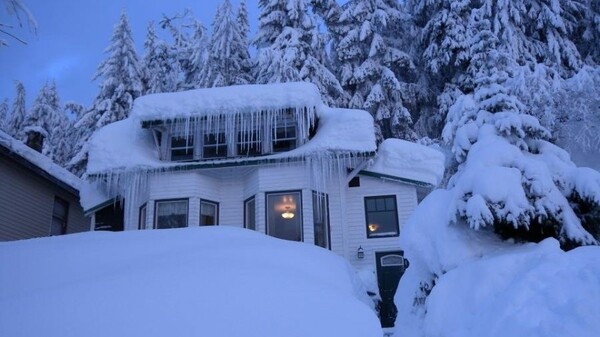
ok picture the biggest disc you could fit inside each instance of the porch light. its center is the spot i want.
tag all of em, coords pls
(287, 214)
(360, 253)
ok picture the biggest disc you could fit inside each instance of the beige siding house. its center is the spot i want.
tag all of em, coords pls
(37, 197)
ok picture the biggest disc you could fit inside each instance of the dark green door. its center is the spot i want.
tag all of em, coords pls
(390, 267)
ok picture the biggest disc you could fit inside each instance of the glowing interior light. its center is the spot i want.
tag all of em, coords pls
(373, 227)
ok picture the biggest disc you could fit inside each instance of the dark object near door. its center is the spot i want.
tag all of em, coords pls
(390, 267)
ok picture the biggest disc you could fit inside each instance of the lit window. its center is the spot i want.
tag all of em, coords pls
(60, 214)
(171, 214)
(381, 216)
(249, 144)
(214, 146)
(284, 215)
(182, 148)
(284, 138)
(250, 214)
(209, 213)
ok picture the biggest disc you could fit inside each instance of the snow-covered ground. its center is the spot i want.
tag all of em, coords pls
(493, 288)
(207, 281)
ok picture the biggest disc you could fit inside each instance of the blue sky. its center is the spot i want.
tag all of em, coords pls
(72, 36)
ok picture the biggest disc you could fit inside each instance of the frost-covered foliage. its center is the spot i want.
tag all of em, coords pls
(190, 48)
(509, 176)
(228, 58)
(494, 288)
(4, 114)
(373, 69)
(121, 83)
(290, 48)
(17, 113)
(158, 67)
(47, 118)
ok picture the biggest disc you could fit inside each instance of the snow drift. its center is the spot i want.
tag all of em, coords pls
(467, 283)
(187, 282)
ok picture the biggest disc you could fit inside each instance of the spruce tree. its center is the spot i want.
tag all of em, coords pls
(4, 115)
(542, 193)
(47, 118)
(120, 84)
(227, 58)
(371, 65)
(290, 48)
(158, 69)
(18, 112)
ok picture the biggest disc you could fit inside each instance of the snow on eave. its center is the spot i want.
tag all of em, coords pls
(226, 100)
(125, 147)
(408, 161)
(40, 161)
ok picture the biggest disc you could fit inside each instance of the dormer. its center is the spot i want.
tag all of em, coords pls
(230, 122)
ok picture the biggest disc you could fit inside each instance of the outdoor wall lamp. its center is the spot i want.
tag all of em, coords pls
(360, 253)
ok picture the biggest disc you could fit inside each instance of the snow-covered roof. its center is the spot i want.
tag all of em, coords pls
(40, 161)
(226, 100)
(407, 160)
(124, 145)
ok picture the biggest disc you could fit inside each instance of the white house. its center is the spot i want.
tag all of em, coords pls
(270, 158)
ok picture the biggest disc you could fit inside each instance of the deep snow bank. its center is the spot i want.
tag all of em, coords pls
(184, 282)
(486, 287)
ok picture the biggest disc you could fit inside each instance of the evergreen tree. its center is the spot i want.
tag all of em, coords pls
(18, 112)
(244, 29)
(4, 115)
(371, 64)
(493, 140)
(159, 72)
(120, 85)
(194, 71)
(290, 48)
(47, 118)
(228, 56)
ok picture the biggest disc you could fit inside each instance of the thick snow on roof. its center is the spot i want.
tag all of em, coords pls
(126, 146)
(403, 159)
(226, 100)
(202, 281)
(40, 161)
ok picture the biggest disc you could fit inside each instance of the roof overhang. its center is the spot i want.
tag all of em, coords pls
(388, 177)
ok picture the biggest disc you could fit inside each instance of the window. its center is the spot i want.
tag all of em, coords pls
(60, 214)
(381, 216)
(249, 144)
(142, 217)
(321, 219)
(214, 145)
(209, 213)
(284, 215)
(182, 148)
(250, 214)
(284, 138)
(171, 214)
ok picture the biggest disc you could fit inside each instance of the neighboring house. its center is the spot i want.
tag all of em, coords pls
(37, 197)
(270, 158)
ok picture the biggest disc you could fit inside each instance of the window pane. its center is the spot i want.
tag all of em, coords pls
(284, 138)
(182, 141)
(250, 214)
(320, 219)
(60, 213)
(381, 216)
(171, 214)
(183, 154)
(208, 213)
(284, 216)
(248, 143)
(217, 151)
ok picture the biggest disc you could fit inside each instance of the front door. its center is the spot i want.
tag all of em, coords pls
(390, 267)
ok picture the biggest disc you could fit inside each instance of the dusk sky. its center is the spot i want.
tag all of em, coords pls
(72, 36)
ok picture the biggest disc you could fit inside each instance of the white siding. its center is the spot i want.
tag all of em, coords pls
(406, 199)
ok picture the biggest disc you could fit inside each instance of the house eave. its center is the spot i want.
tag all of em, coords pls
(203, 165)
(395, 179)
